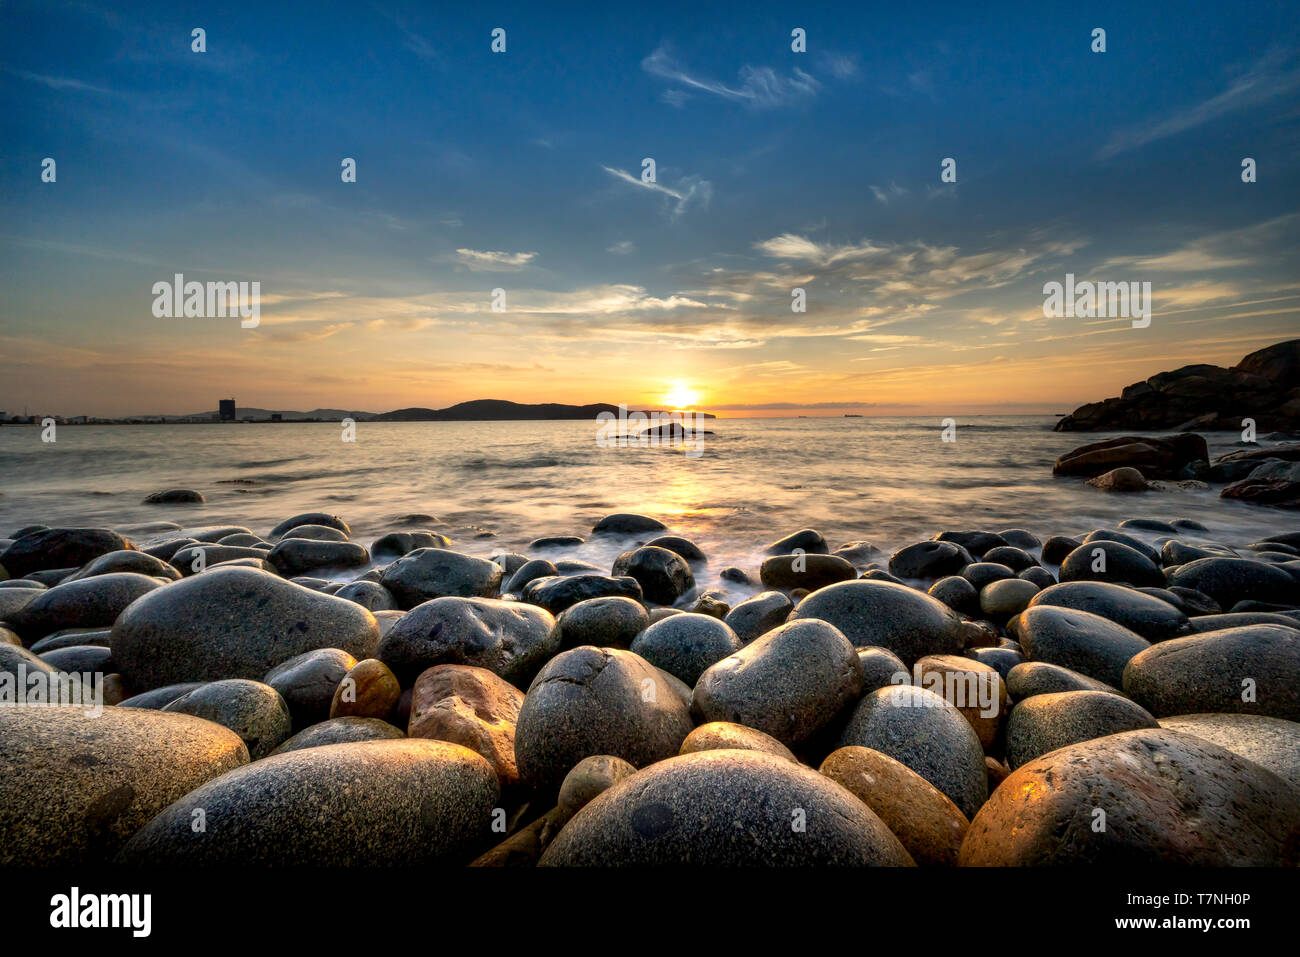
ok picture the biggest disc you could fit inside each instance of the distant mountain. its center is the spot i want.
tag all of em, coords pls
(495, 410)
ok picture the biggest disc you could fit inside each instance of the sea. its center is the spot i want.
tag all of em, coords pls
(496, 486)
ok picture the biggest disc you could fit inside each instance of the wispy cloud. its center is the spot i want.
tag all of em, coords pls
(1264, 81)
(694, 189)
(759, 87)
(493, 260)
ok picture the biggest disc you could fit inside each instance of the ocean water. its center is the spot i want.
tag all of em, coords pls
(495, 486)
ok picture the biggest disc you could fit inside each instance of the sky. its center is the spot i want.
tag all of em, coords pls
(522, 171)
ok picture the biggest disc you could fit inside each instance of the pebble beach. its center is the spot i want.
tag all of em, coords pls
(298, 695)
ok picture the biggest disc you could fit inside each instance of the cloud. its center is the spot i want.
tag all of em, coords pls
(694, 190)
(493, 261)
(759, 87)
(63, 83)
(1264, 81)
(892, 192)
(1229, 249)
(622, 248)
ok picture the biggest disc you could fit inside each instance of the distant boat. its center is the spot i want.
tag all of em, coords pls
(852, 415)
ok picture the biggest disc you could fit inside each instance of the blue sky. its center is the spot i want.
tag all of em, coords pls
(522, 171)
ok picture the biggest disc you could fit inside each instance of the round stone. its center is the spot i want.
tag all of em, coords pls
(809, 570)
(929, 560)
(1046, 722)
(1271, 743)
(369, 595)
(251, 709)
(1110, 561)
(309, 518)
(429, 573)
(75, 785)
(1003, 599)
(1167, 799)
(604, 622)
(232, 623)
(791, 683)
(340, 731)
(759, 614)
(556, 593)
(922, 817)
(89, 603)
(721, 735)
(307, 683)
(957, 592)
(368, 690)
(368, 804)
(685, 645)
(510, 639)
(926, 733)
(598, 701)
(1038, 677)
(664, 576)
(725, 808)
(1148, 616)
(627, 523)
(1230, 580)
(1080, 641)
(471, 707)
(53, 548)
(589, 778)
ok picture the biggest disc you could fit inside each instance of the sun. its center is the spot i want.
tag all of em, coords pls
(681, 396)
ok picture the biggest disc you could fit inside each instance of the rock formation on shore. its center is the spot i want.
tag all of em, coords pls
(1264, 386)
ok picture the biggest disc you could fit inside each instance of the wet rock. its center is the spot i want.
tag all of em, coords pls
(921, 816)
(340, 731)
(1080, 641)
(368, 690)
(1003, 599)
(664, 576)
(1017, 559)
(725, 808)
(320, 533)
(682, 546)
(1148, 616)
(977, 543)
(597, 701)
(909, 623)
(80, 659)
(1046, 722)
(686, 645)
(310, 518)
(560, 592)
(556, 541)
(397, 544)
(1272, 743)
(1120, 480)
(1254, 669)
(1230, 580)
(74, 786)
(527, 572)
(590, 778)
(127, 560)
(627, 523)
(1203, 623)
(89, 603)
(54, 548)
(194, 559)
(175, 496)
(1168, 799)
(712, 604)
(791, 683)
(923, 731)
(510, 639)
(471, 707)
(810, 571)
(307, 683)
(1056, 548)
(759, 614)
(806, 540)
(859, 554)
(982, 574)
(1157, 458)
(296, 556)
(232, 623)
(958, 593)
(603, 622)
(1109, 561)
(1039, 576)
(926, 560)
(972, 687)
(722, 735)
(1038, 677)
(1020, 538)
(367, 594)
(880, 668)
(429, 573)
(251, 709)
(159, 698)
(368, 804)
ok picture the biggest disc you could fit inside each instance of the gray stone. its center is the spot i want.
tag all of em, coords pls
(909, 623)
(368, 594)
(397, 544)
(810, 571)
(510, 639)
(1109, 561)
(927, 560)
(232, 623)
(1272, 743)
(1213, 672)
(589, 778)
(75, 786)
(682, 546)
(1148, 616)
(159, 698)
(530, 570)
(1079, 640)
(559, 592)
(394, 803)
(664, 576)
(791, 683)
(127, 560)
(90, 603)
(923, 731)
(340, 731)
(685, 645)
(429, 573)
(59, 548)
(880, 668)
(805, 540)
(627, 523)
(295, 556)
(253, 710)
(1230, 580)
(1032, 678)
(310, 518)
(597, 701)
(759, 614)
(725, 808)
(320, 533)
(307, 683)
(1046, 722)
(604, 622)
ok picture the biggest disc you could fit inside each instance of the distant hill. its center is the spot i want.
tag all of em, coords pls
(493, 410)
(326, 415)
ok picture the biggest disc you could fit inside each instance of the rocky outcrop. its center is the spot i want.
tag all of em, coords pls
(1177, 457)
(1264, 386)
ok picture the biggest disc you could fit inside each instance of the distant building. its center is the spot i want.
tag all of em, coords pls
(276, 417)
(227, 410)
